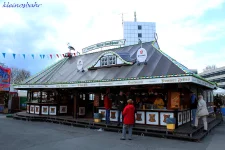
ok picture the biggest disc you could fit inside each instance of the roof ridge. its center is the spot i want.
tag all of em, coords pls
(51, 69)
(38, 73)
(182, 67)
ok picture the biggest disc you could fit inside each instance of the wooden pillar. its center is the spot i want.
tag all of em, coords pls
(75, 105)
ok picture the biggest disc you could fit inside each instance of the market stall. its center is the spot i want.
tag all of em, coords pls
(78, 85)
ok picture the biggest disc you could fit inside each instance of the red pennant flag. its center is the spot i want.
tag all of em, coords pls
(51, 56)
(63, 55)
(57, 55)
(74, 54)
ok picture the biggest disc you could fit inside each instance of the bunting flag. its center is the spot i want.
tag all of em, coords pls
(42, 56)
(14, 56)
(24, 56)
(4, 54)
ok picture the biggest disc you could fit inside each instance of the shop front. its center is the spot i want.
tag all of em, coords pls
(76, 86)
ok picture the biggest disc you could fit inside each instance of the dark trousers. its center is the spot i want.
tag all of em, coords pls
(107, 116)
(119, 113)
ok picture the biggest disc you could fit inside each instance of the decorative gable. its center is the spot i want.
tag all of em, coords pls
(110, 59)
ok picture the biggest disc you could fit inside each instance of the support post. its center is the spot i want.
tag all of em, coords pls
(75, 105)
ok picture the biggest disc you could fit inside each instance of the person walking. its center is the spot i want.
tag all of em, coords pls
(121, 102)
(128, 119)
(202, 112)
(194, 104)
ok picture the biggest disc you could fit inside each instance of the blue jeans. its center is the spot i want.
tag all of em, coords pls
(193, 111)
(107, 116)
(125, 127)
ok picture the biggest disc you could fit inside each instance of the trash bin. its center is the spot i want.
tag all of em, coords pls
(97, 117)
(223, 111)
(170, 123)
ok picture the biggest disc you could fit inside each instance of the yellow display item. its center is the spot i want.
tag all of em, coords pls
(170, 126)
(97, 120)
(159, 103)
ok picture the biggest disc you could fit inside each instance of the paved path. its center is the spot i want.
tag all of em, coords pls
(24, 135)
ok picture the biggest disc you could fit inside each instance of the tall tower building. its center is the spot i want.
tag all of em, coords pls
(133, 31)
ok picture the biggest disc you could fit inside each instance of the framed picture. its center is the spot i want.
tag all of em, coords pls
(81, 111)
(52, 110)
(44, 110)
(63, 109)
(32, 109)
(28, 108)
(37, 110)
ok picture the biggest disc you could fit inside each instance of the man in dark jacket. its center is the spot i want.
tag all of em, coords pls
(194, 104)
(121, 103)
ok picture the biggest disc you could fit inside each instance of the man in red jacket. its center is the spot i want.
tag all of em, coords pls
(128, 119)
(108, 105)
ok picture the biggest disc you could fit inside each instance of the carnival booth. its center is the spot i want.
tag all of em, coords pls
(158, 84)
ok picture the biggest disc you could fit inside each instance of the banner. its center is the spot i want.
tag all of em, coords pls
(104, 44)
(5, 74)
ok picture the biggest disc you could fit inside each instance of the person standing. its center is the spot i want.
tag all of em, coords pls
(202, 112)
(108, 106)
(194, 104)
(128, 119)
(121, 102)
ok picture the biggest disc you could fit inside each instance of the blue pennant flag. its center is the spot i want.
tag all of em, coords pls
(3, 55)
(14, 56)
(24, 56)
(41, 56)
(32, 56)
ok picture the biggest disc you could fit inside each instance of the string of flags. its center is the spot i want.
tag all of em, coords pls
(42, 56)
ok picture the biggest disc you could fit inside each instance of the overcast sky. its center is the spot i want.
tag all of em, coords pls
(190, 31)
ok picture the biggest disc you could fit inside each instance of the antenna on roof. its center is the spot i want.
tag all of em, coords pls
(135, 18)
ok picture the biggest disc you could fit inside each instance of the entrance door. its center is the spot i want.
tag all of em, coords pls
(90, 105)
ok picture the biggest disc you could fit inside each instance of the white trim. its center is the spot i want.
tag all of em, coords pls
(185, 79)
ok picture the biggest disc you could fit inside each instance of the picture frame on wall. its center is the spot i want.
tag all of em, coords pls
(44, 110)
(52, 110)
(63, 109)
(81, 111)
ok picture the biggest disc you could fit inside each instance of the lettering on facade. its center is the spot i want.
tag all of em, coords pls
(135, 82)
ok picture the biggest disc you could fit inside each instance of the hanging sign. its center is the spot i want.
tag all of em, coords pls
(141, 55)
(104, 44)
(80, 64)
(5, 74)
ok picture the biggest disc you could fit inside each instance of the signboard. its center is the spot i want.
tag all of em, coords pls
(119, 83)
(104, 44)
(79, 64)
(5, 74)
(141, 55)
(96, 100)
(175, 100)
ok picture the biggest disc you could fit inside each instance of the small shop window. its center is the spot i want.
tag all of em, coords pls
(112, 60)
(104, 61)
(91, 97)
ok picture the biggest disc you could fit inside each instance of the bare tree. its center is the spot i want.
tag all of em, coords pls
(18, 75)
(207, 68)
